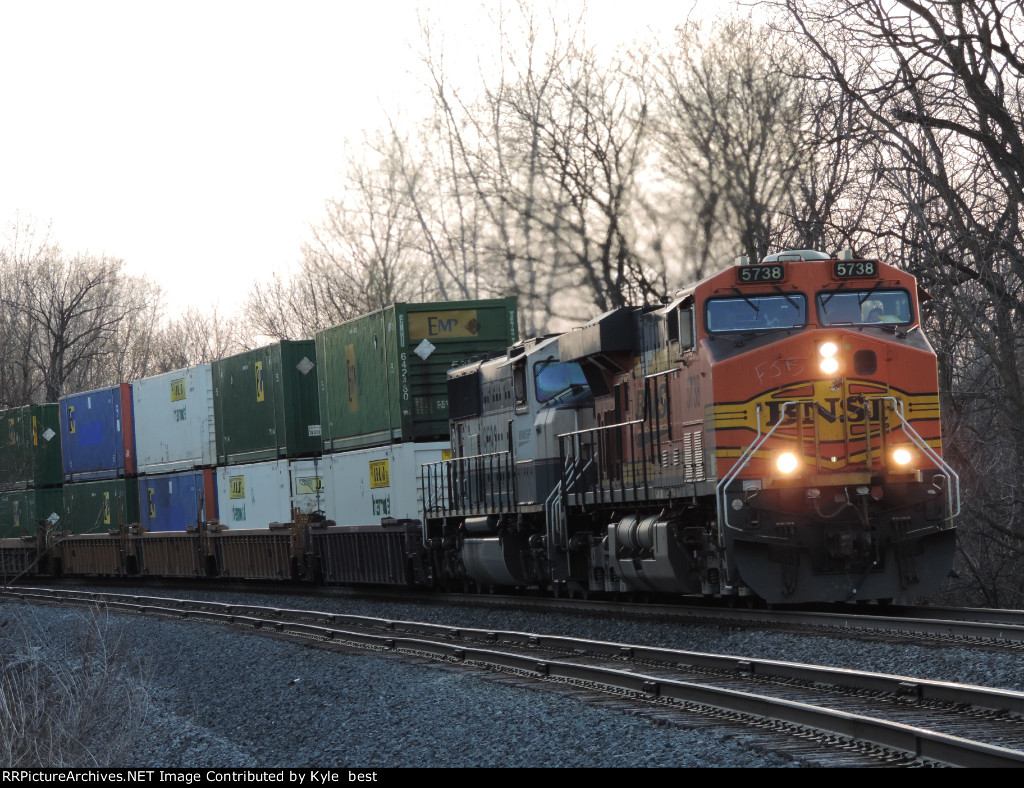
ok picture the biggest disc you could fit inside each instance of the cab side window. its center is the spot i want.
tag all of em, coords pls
(519, 382)
(684, 323)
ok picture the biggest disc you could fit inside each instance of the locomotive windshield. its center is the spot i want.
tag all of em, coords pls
(864, 307)
(757, 312)
(554, 377)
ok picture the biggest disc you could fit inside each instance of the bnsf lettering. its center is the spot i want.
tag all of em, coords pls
(853, 411)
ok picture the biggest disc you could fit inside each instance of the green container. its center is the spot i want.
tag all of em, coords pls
(101, 506)
(265, 403)
(21, 510)
(30, 447)
(383, 376)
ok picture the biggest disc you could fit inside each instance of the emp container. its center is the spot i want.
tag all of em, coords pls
(100, 507)
(383, 376)
(255, 495)
(30, 447)
(265, 403)
(97, 433)
(22, 511)
(174, 420)
(177, 501)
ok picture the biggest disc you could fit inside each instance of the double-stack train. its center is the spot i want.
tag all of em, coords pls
(771, 432)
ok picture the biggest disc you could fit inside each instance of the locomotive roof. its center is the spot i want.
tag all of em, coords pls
(788, 256)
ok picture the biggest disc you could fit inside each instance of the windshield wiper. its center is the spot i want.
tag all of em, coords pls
(831, 294)
(792, 301)
(750, 303)
(867, 294)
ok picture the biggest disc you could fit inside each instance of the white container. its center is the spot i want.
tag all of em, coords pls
(363, 487)
(174, 423)
(254, 495)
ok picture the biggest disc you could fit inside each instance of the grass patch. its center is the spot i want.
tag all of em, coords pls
(71, 692)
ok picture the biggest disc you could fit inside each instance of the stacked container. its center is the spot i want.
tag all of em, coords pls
(174, 418)
(21, 511)
(30, 453)
(366, 486)
(265, 402)
(176, 444)
(30, 469)
(383, 376)
(99, 507)
(98, 434)
(255, 495)
(177, 501)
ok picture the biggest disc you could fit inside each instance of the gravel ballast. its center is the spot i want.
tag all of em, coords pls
(222, 698)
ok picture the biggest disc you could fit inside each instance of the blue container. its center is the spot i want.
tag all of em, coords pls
(175, 501)
(98, 434)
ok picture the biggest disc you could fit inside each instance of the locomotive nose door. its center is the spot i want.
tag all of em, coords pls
(864, 390)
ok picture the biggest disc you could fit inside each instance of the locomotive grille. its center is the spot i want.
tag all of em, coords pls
(693, 455)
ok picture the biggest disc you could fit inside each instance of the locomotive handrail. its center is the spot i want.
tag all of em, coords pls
(554, 507)
(747, 455)
(929, 452)
(470, 457)
(576, 435)
(744, 460)
(601, 428)
(494, 485)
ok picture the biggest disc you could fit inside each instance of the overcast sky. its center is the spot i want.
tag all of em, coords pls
(197, 141)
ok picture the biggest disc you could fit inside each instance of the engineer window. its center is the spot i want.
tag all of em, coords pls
(552, 377)
(757, 312)
(864, 307)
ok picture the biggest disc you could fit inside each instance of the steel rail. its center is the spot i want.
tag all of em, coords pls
(919, 742)
(968, 625)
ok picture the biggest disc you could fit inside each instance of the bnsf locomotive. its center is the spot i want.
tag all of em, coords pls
(772, 431)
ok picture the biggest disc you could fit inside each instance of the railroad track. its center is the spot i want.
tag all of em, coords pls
(972, 627)
(830, 715)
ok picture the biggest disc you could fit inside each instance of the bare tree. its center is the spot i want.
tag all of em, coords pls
(496, 157)
(542, 167)
(940, 89)
(197, 337)
(18, 382)
(730, 135)
(78, 319)
(366, 253)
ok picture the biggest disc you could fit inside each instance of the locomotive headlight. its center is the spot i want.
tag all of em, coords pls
(829, 364)
(902, 457)
(786, 462)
